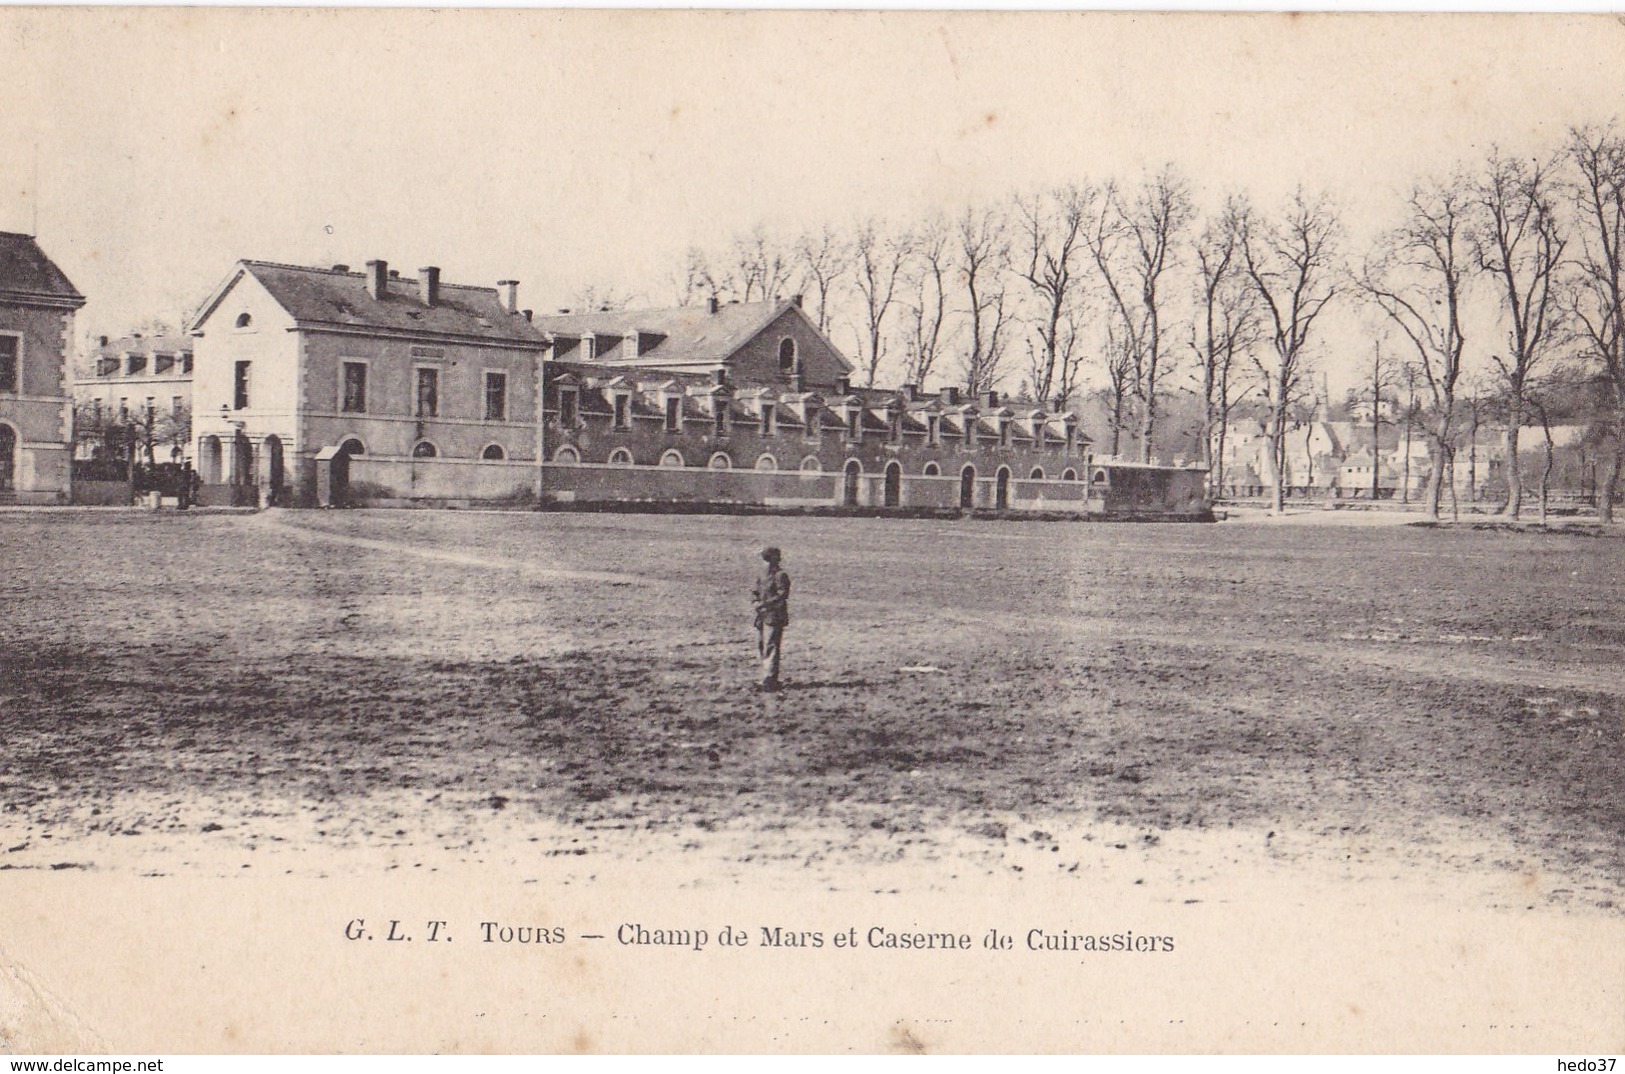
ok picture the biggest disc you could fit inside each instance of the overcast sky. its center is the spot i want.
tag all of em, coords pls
(578, 148)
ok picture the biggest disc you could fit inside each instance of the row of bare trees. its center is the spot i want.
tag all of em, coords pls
(1128, 293)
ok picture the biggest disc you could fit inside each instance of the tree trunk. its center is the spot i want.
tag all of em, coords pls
(1514, 503)
(1608, 488)
(1436, 447)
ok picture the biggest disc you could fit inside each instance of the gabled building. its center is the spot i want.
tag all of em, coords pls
(757, 343)
(427, 388)
(37, 304)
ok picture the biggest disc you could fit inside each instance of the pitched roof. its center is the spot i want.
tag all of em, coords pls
(29, 277)
(328, 298)
(692, 334)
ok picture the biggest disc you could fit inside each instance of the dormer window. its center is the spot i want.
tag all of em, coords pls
(163, 363)
(769, 419)
(244, 320)
(787, 355)
(135, 363)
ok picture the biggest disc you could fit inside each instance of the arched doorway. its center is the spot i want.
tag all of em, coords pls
(967, 487)
(854, 473)
(242, 461)
(1001, 489)
(271, 474)
(894, 485)
(209, 460)
(8, 459)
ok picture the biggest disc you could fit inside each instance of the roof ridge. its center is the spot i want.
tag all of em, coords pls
(351, 273)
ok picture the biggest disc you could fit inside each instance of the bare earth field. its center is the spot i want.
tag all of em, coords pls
(1193, 712)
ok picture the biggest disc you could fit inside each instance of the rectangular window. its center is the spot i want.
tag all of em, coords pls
(428, 393)
(567, 408)
(769, 419)
(674, 414)
(135, 363)
(933, 429)
(355, 388)
(163, 363)
(623, 411)
(720, 418)
(186, 364)
(152, 405)
(496, 397)
(240, 387)
(854, 425)
(175, 404)
(8, 364)
(970, 429)
(1004, 432)
(123, 408)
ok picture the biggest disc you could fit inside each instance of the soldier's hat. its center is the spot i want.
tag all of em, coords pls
(770, 554)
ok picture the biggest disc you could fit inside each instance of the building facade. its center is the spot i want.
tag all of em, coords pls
(37, 306)
(140, 381)
(427, 390)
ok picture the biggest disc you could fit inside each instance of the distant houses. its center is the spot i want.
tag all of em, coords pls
(37, 306)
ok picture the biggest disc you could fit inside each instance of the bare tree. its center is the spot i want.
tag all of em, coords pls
(699, 281)
(823, 258)
(601, 296)
(879, 257)
(1598, 293)
(1293, 265)
(1519, 242)
(1226, 326)
(1051, 231)
(1419, 280)
(1381, 377)
(1117, 362)
(1132, 239)
(925, 304)
(982, 256)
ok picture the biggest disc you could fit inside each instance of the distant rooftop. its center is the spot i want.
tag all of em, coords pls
(27, 276)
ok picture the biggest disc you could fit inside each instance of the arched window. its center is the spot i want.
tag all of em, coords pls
(352, 445)
(493, 453)
(767, 462)
(1102, 478)
(787, 355)
(721, 461)
(567, 456)
(932, 470)
(1069, 474)
(811, 465)
(423, 449)
(244, 320)
(672, 458)
(620, 457)
(853, 482)
(1037, 474)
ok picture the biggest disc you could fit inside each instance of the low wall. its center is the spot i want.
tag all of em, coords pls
(102, 493)
(373, 479)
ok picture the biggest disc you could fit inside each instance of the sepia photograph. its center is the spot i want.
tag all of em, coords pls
(560, 531)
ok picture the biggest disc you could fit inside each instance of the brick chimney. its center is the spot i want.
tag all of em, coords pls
(992, 399)
(341, 268)
(950, 395)
(1060, 403)
(843, 385)
(711, 304)
(911, 392)
(429, 285)
(719, 376)
(377, 278)
(797, 298)
(510, 295)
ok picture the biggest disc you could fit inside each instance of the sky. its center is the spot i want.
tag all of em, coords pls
(574, 148)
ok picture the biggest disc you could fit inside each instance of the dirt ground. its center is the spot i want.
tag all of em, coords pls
(377, 690)
(1365, 778)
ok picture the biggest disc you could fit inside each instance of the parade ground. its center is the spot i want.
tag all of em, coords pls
(196, 689)
(1326, 784)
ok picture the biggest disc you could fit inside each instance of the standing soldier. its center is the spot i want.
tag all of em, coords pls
(772, 597)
